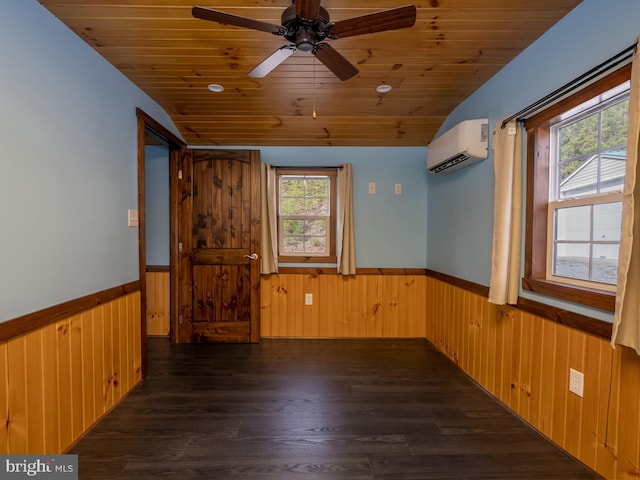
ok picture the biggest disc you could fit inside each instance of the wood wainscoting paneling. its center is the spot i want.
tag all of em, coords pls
(363, 306)
(158, 303)
(58, 380)
(524, 360)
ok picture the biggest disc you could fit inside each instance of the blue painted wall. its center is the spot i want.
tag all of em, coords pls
(390, 229)
(68, 164)
(156, 180)
(460, 205)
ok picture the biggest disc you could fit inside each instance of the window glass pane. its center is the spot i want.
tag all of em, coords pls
(615, 122)
(292, 244)
(572, 260)
(315, 244)
(573, 223)
(304, 237)
(291, 205)
(605, 263)
(578, 177)
(579, 138)
(607, 218)
(315, 227)
(612, 168)
(317, 187)
(293, 227)
(291, 187)
(317, 206)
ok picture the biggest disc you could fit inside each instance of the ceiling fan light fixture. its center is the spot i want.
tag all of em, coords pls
(384, 88)
(216, 88)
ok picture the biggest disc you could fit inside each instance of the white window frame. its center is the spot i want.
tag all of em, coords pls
(329, 256)
(596, 104)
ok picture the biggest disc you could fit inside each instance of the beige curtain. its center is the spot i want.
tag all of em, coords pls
(626, 321)
(345, 238)
(268, 225)
(507, 214)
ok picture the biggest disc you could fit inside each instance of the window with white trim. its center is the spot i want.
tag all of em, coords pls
(306, 215)
(587, 166)
(576, 157)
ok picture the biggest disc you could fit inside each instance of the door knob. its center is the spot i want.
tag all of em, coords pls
(253, 256)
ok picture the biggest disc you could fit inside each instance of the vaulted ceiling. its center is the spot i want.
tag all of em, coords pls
(453, 48)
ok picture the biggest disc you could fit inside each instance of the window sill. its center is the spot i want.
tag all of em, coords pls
(308, 259)
(585, 296)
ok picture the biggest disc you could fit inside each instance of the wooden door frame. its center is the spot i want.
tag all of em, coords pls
(175, 146)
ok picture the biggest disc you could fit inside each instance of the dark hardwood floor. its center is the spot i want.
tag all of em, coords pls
(314, 409)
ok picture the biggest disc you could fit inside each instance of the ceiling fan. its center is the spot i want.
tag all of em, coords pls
(306, 25)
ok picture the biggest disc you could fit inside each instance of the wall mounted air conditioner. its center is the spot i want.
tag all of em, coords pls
(464, 144)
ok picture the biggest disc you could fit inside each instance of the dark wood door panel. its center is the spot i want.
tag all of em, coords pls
(221, 294)
(221, 200)
(220, 229)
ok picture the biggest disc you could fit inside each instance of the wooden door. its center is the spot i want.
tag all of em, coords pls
(218, 246)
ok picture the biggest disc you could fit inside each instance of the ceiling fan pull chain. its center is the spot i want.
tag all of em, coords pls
(313, 60)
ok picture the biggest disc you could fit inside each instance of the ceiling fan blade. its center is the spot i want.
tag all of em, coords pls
(335, 62)
(272, 61)
(236, 20)
(392, 19)
(308, 9)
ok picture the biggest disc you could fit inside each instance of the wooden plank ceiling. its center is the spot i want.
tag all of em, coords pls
(454, 47)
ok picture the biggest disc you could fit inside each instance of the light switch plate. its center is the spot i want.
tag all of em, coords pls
(133, 219)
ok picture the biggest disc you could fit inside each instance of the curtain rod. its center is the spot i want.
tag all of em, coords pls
(605, 66)
(306, 167)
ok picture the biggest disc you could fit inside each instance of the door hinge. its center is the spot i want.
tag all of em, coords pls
(180, 319)
(179, 174)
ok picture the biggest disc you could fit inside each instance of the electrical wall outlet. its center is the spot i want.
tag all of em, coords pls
(398, 189)
(308, 298)
(576, 382)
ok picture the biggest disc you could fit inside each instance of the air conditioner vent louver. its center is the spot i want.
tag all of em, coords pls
(450, 163)
(464, 144)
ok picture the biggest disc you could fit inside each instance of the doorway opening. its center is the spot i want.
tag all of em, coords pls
(158, 145)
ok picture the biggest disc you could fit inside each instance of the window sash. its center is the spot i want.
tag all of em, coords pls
(282, 235)
(597, 105)
(329, 256)
(552, 242)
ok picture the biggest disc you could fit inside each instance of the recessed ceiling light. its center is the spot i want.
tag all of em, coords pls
(214, 87)
(383, 88)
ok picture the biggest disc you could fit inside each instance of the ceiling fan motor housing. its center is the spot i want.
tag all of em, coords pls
(304, 32)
